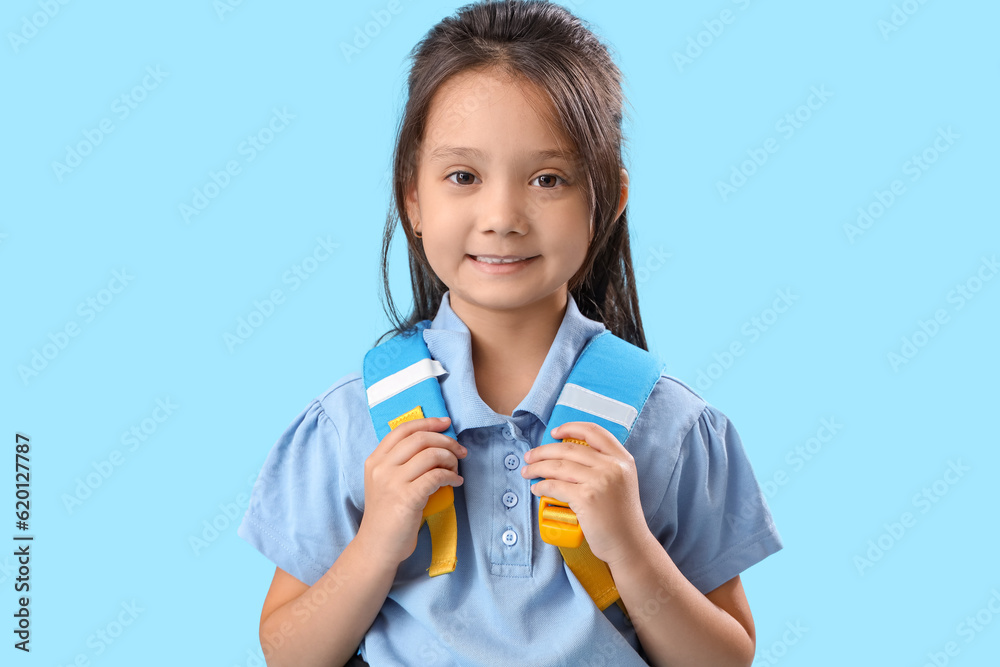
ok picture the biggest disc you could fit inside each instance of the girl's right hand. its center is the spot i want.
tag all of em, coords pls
(413, 461)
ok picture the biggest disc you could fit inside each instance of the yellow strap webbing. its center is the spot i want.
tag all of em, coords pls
(593, 573)
(444, 541)
(439, 513)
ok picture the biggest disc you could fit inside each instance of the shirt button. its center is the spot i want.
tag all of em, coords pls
(512, 462)
(509, 538)
(507, 432)
(510, 499)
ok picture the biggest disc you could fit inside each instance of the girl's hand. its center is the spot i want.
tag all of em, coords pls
(412, 462)
(599, 483)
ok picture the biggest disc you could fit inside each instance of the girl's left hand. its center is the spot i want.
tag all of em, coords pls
(599, 482)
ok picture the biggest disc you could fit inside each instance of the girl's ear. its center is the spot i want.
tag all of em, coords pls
(623, 197)
(413, 209)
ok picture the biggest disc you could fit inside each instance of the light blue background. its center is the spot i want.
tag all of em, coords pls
(327, 175)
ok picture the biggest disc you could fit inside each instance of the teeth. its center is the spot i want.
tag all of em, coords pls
(492, 260)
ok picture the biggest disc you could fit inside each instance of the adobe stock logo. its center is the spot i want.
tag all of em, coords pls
(250, 148)
(714, 28)
(104, 637)
(264, 308)
(960, 295)
(968, 630)
(106, 467)
(655, 260)
(796, 459)
(30, 27)
(899, 17)
(230, 514)
(362, 38)
(772, 654)
(787, 125)
(924, 500)
(122, 106)
(60, 340)
(914, 167)
(752, 329)
(223, 7)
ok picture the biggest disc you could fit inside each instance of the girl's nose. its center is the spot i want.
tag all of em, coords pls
(505, 209)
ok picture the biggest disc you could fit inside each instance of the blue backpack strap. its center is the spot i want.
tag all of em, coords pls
(399, 374)
(608, 386)
(401, 382)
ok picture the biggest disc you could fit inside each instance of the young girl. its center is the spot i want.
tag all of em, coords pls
(510, 189)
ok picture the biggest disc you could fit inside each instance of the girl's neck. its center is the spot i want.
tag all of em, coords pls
(509, 347)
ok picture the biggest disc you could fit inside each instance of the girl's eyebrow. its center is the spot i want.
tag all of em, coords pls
(442, 153)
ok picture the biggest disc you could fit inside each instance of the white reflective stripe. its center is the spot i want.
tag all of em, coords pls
(402, 380)
(575, 396)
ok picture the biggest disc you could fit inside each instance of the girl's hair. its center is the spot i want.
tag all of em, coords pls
(543, 43)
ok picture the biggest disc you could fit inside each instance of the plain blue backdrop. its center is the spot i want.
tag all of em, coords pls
(814, 226)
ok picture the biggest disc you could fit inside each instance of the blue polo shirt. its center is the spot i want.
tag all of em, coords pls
(511, 598)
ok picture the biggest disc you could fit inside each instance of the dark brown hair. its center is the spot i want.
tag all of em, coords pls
(542, 43)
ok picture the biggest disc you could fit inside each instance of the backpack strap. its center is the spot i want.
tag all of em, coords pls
(608, 385)
(402, 384)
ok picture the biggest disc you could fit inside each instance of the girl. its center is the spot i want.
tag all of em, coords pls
(510, 189)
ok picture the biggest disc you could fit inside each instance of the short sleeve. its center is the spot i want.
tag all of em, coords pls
(717, 520)
(301, 515)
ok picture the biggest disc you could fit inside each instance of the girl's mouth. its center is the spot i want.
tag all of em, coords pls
(500, 264)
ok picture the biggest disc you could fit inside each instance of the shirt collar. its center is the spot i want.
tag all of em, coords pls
(450, 342)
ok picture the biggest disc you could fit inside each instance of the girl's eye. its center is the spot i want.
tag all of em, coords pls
(551, 177)
(460, 174)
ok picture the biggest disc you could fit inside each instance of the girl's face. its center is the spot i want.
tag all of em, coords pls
(492, 183)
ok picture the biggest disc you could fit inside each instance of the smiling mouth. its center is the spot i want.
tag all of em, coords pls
(500, 259)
